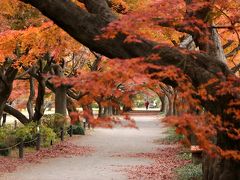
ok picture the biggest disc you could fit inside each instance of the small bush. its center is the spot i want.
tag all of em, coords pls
(7, 135)
(25, 132)
(189, 172)
(54, 121)
(78, 129)
(5, 152)
(47, 135)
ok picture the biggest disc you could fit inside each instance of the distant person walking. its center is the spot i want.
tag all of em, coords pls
(146, 105)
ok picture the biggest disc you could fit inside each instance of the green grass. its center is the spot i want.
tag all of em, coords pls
(172, 137)
(185, 155)
(189, 172)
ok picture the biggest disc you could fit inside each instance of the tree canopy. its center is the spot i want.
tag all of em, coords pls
(191, 50)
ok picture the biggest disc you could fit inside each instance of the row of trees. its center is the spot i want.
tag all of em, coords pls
(40, 61)
(174, 51)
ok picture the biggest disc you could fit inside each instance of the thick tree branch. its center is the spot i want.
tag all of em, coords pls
(17, 114)
(100, 7)
(84, 27)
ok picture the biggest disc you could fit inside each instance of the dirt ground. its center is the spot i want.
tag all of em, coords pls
(106, 162)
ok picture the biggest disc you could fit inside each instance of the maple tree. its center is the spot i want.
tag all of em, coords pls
(29, 40)
(177, 48)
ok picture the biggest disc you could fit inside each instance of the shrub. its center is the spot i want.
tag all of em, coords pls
(7, 135)
(10, 136)
(5, 152)
(54, 121)
(25, 132)
(47, 135)
(78, 129)
(190, 172)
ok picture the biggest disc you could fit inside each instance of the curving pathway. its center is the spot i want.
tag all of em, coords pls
(105, 163)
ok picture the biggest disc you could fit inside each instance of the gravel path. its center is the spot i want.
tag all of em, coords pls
(102, 164)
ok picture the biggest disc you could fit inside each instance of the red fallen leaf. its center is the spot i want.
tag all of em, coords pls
(63, 149)
(165, 161)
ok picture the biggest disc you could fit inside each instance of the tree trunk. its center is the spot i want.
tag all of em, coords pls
(30, 99)
(88, 109)
(217, 49)
(7, 76)
(105, 111)
(164, 105)
(108, 111)
(116, 109)
(39, 107)
(220, 169)
(170, 105)
(175, 108)
(161, 98)
(100, 109)
(60, 100)
(60, 91)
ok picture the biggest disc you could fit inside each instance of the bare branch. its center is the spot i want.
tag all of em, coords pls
(236, 68)
(233, 52)
(20, 76)
(229, 43)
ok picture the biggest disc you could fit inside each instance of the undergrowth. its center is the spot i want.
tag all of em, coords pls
(189, 171)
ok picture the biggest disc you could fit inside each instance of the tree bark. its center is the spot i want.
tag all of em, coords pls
(17, 114)
(7, 76)
(60, 100)
(100, 109)
(39, 107)
(30, 99)
(60, 92)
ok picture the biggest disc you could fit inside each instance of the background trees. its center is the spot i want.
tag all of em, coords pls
(200, 77)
